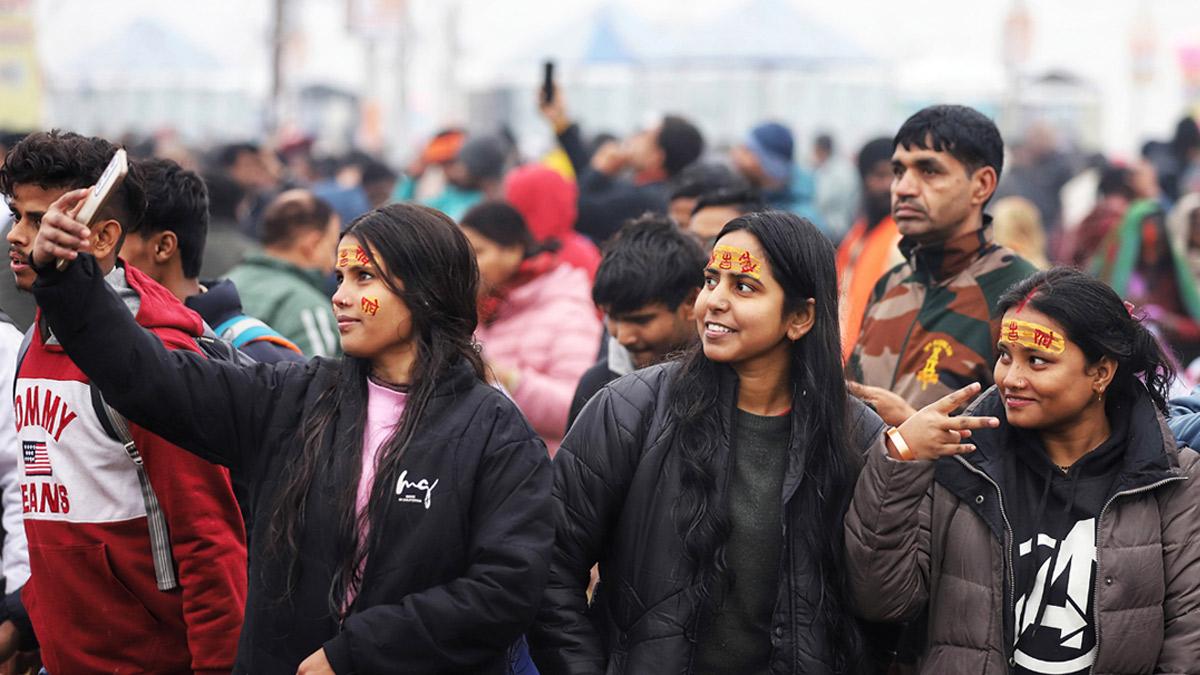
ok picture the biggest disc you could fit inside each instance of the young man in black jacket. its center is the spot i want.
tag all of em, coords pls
(646, 286)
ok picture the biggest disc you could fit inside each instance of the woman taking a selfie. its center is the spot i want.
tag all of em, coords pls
(400, 503)
(1066, 540)
(711, 490)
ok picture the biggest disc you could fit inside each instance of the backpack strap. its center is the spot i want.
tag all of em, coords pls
(241, 330)
(116, 426)
(21, 352)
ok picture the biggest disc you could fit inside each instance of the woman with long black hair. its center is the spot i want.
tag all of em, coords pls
(401, 504)
(1065, 540)
(711, 490)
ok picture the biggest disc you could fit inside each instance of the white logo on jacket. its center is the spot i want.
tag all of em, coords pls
(1067, 608)
(411, 492)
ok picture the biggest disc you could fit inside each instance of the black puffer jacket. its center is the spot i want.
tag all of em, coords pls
(465, 535)
(615, 487)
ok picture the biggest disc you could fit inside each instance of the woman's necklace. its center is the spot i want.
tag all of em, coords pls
(402, 388)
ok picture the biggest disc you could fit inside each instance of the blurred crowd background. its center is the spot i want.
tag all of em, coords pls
(363, 102)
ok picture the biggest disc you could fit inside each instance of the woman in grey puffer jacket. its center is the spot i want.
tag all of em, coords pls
(1066, 539)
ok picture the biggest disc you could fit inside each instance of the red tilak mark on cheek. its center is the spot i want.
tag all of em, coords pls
(370, 306)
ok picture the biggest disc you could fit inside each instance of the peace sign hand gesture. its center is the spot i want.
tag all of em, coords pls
(933, 432)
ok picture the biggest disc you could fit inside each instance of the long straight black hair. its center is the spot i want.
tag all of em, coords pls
(427, 262)
(801, 260)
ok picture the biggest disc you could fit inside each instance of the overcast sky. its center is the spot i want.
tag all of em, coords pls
(930, 40)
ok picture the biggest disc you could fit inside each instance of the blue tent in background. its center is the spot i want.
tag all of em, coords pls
(758, 33)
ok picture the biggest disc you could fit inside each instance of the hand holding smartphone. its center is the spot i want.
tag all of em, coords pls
(100, 194)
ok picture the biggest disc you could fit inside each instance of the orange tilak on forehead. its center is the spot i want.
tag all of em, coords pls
(1033, 336)
(351, 255)
(737, 260)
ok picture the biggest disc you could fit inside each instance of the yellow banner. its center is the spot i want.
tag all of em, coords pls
(20, 74)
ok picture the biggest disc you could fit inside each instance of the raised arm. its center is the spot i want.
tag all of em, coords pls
(217, 410)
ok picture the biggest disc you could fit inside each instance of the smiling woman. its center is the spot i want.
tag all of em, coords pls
(711, 489)
(1077, 507)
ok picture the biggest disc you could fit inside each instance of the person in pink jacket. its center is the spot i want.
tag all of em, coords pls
(538, 328)
(547, 202)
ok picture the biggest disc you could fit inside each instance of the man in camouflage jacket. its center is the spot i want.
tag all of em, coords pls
(931, 326)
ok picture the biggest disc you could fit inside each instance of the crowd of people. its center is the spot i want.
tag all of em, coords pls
(636, 406)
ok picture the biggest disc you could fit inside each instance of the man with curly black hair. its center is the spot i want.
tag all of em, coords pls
(163, 569)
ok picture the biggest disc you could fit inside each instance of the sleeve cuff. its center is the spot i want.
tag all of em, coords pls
(337, 651)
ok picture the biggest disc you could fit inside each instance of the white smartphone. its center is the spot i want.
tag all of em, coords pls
(101, 192)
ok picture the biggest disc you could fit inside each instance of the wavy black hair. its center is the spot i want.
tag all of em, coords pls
(62, 160)
(1096, 319)
(801, 260)
(429, 264)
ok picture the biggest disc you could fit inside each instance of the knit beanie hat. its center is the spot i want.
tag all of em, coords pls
(772, 144)
(484, 157)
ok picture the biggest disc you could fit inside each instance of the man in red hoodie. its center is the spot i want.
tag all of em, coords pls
(97, 600)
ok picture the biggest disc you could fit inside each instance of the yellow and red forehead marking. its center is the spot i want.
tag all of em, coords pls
(370, 306)
(1033, 336)
(352, 255)
(737, 260)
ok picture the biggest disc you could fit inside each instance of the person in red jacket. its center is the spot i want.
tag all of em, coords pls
(101, 596)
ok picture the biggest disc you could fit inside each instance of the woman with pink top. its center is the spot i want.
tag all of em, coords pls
(400, 503)
(537, 323)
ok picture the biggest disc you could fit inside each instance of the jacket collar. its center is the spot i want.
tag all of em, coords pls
(1151, 455)
(943, 261)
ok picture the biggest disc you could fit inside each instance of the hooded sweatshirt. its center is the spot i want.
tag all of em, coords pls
(1053, 515)
(547, 202)
(92, 594)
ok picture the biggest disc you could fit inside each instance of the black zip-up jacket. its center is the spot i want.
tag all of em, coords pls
(616, 484)
(463, 564)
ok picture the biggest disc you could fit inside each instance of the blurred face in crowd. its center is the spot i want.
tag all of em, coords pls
(643, 150)
(28, 204)
(1046, 383)
(457, 175)
(1144, 180)
(707, 222)
(653, 331)
(322, 251)
(1194, 230)
(497, 264)
(680, 210)
(373, 322)
(747, 164)
(740, 309)
(935, 196)
(877, 191)
(255, 171)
